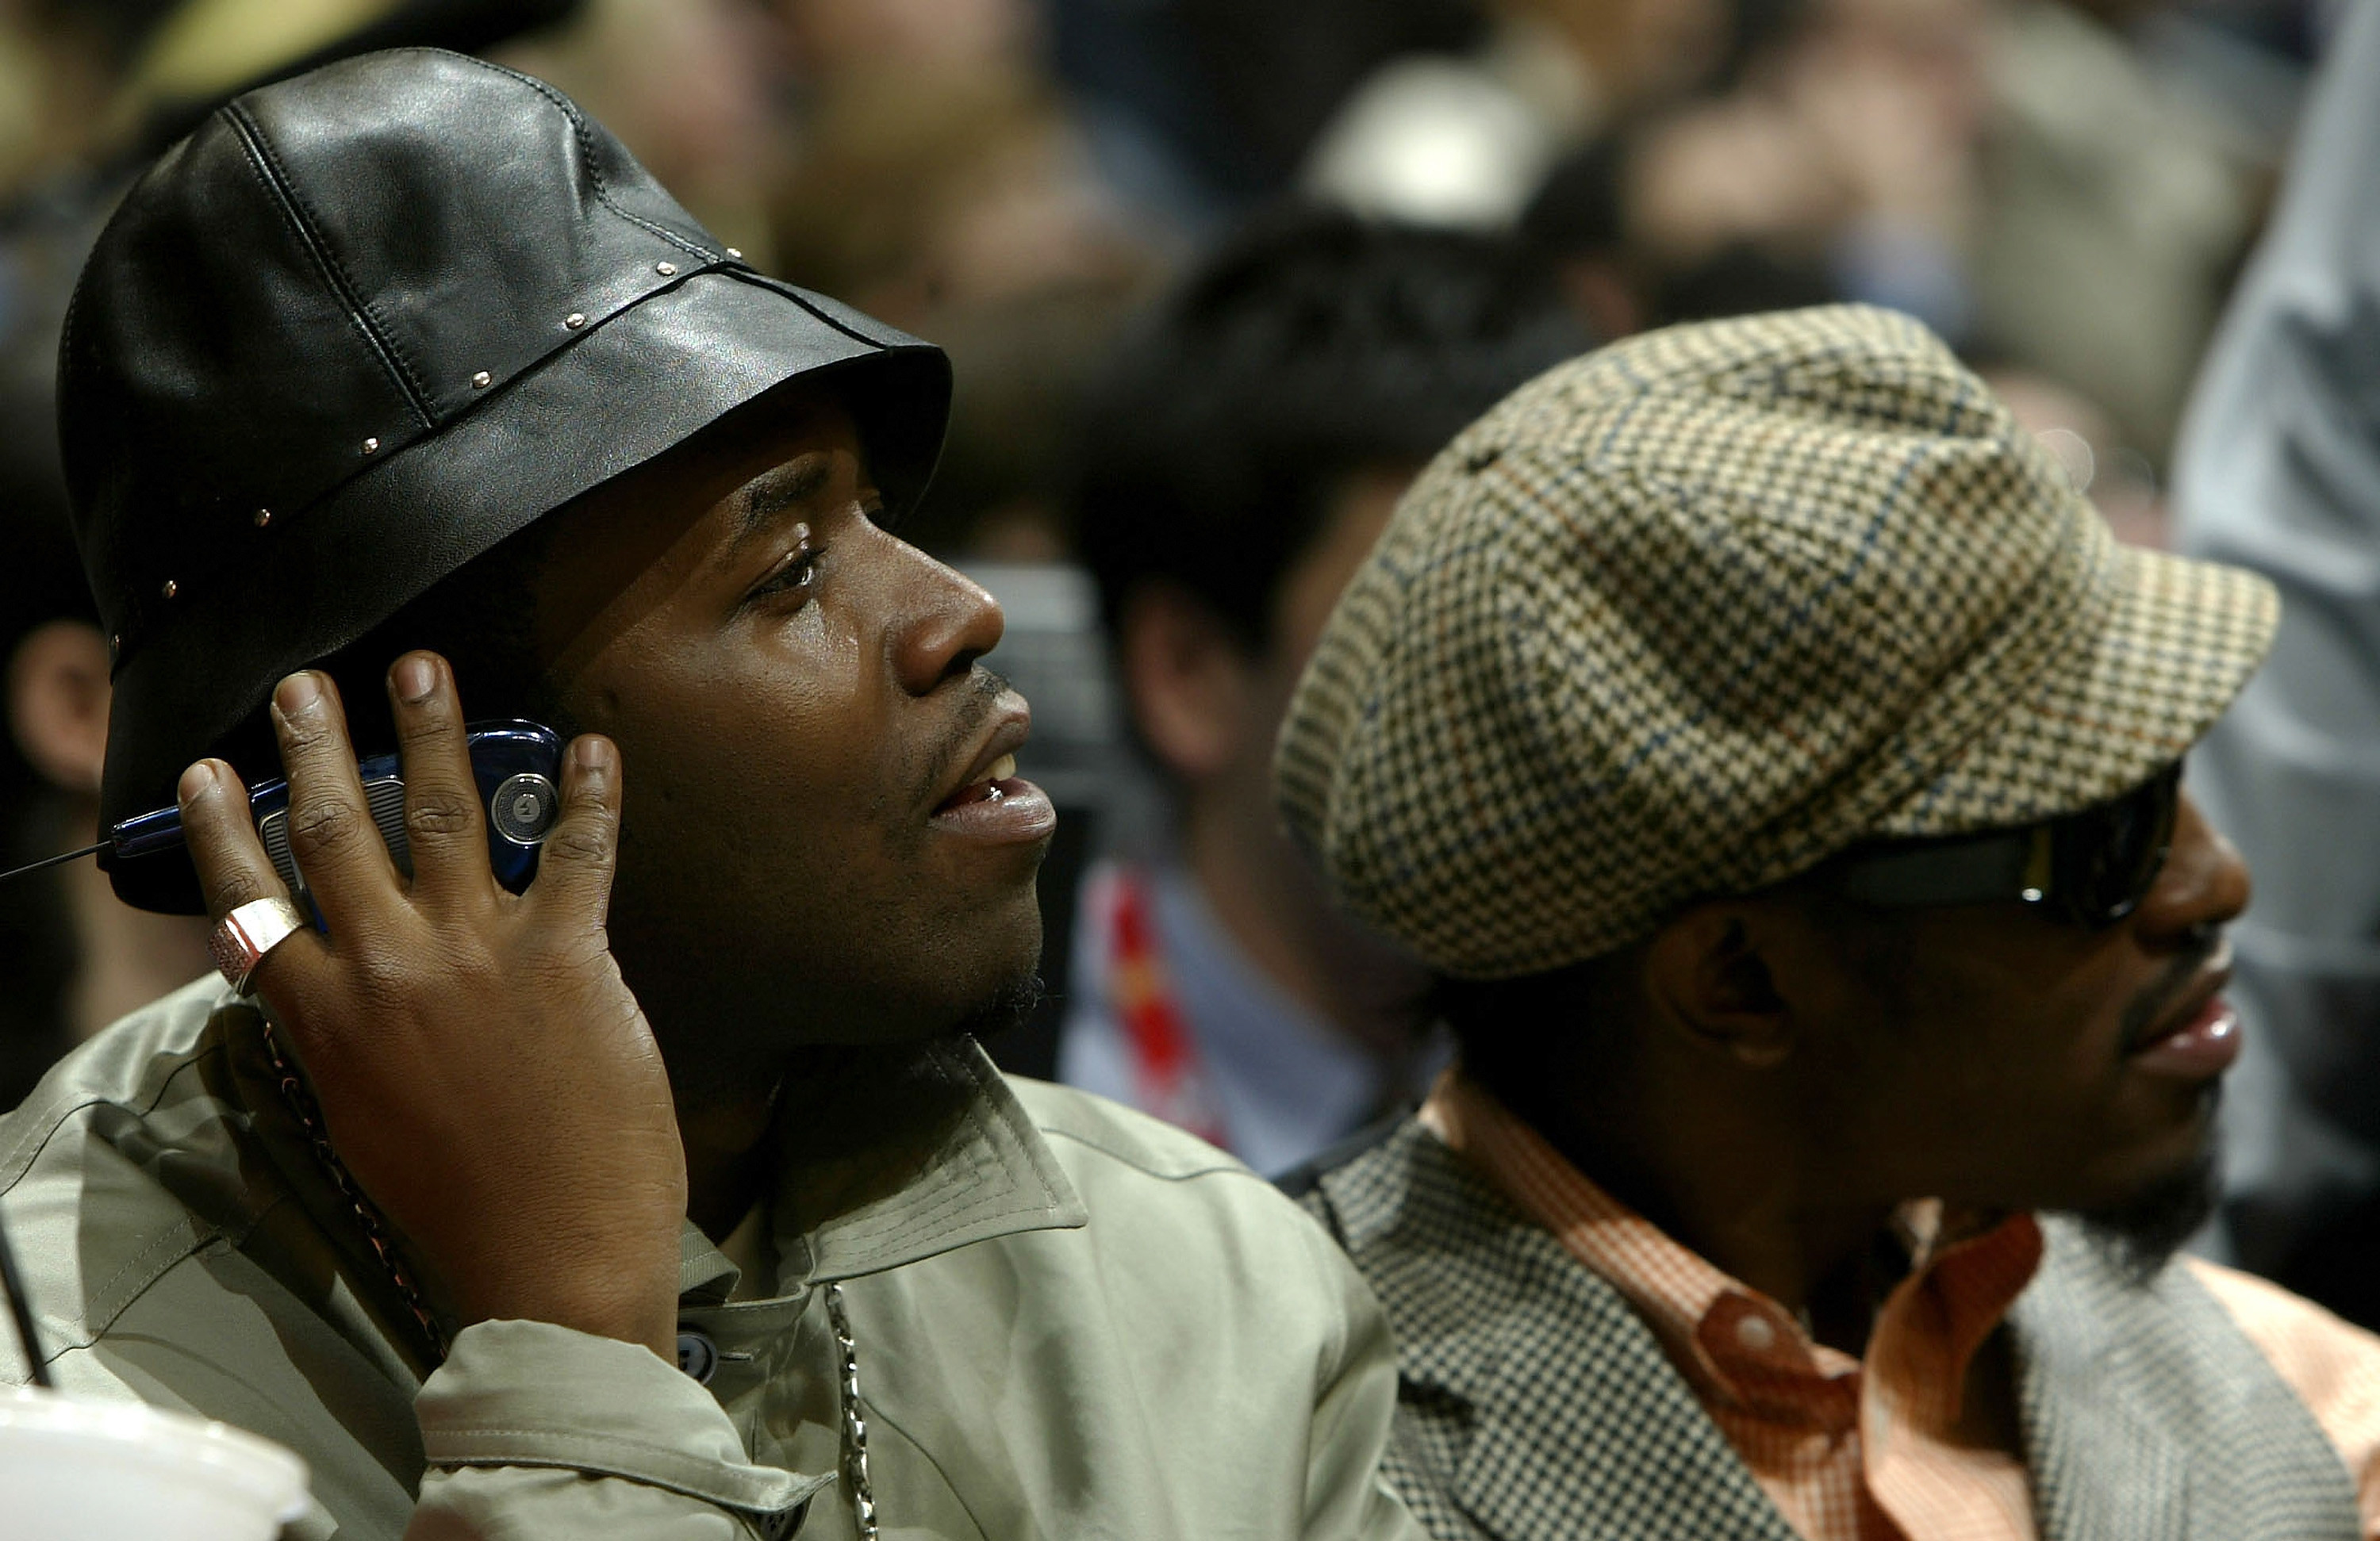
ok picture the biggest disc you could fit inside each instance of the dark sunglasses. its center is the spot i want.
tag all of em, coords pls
(2092, 868)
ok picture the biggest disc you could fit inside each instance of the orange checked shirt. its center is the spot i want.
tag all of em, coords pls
(1889, 1447)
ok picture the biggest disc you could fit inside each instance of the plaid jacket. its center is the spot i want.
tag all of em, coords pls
(1533, 1405)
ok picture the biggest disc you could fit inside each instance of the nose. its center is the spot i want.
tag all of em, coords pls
(2203, 883)
(952, 622)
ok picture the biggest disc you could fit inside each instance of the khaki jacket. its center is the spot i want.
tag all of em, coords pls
(1069, 1321)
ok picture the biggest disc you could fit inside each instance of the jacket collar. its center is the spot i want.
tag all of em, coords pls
(965, 1165)
(2083, 1408)
(1577, 1425)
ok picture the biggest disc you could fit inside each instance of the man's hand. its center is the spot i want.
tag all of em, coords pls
(486, 1075)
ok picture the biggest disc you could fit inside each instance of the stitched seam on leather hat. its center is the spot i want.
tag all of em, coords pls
(569, 110)
(268, 164)
(794, 294)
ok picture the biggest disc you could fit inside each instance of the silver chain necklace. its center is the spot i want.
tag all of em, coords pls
(854, 1427)
(300, 1102)
(301, 1105)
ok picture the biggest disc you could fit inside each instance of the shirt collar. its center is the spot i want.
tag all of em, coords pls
(1673, 1288)
(1730, 1341)
(967, 1165)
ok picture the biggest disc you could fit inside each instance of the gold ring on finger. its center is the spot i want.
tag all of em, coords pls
(241, 938)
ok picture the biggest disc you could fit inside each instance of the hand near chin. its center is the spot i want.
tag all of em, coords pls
(485, 1074)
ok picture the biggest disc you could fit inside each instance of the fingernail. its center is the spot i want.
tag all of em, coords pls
(589, 754)
(298, 693)
(414, 679)
(196, 782)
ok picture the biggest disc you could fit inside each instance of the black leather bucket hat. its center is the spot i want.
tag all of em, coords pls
(363, 324)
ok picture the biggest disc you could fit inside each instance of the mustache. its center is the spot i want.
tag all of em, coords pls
(984, 689)
(2153, 1003)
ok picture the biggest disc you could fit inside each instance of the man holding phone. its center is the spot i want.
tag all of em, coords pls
(668, 1197)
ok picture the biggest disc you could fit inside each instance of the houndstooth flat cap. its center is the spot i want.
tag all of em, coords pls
(1689, 614)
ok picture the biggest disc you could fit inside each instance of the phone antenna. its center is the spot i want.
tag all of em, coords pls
(59, 860)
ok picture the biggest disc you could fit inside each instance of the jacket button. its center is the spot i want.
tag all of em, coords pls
(697, 1355)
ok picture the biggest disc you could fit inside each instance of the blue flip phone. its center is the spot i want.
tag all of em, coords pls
(517, 765)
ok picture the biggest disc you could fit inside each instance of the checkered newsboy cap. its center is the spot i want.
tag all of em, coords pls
(1689, 614)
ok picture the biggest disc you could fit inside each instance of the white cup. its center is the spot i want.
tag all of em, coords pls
(82, 1471)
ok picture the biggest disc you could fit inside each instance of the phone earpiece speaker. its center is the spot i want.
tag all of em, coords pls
(524, 807)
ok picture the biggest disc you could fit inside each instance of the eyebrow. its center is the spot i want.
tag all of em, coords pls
(768, 496)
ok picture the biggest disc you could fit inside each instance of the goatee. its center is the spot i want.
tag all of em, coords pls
(2139, 1237)
(1006, 1008)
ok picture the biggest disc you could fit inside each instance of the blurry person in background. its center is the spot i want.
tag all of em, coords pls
(37, 942)
(943, 184)
(79, 84)
(77, 956)
(2120, 480)
(2013, 174)
(698, 89)
(1238, 461)
(2117, 205)
(1756, 240)
(61, 65)
(933, 39)
(2279, 470)
(1462, 138)
(1201, 110)
(1833, 159)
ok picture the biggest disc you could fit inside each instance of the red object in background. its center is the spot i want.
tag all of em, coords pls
(1169, 1079)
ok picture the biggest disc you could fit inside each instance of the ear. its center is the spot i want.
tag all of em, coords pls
(1711, 974)
(58, 696)
(1189, 681)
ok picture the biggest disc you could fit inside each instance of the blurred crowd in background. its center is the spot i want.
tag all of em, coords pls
(1217, 277)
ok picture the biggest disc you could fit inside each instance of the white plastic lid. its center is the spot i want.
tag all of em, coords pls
(70, 1467)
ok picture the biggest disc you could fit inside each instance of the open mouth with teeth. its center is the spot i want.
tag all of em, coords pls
(992, 788)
